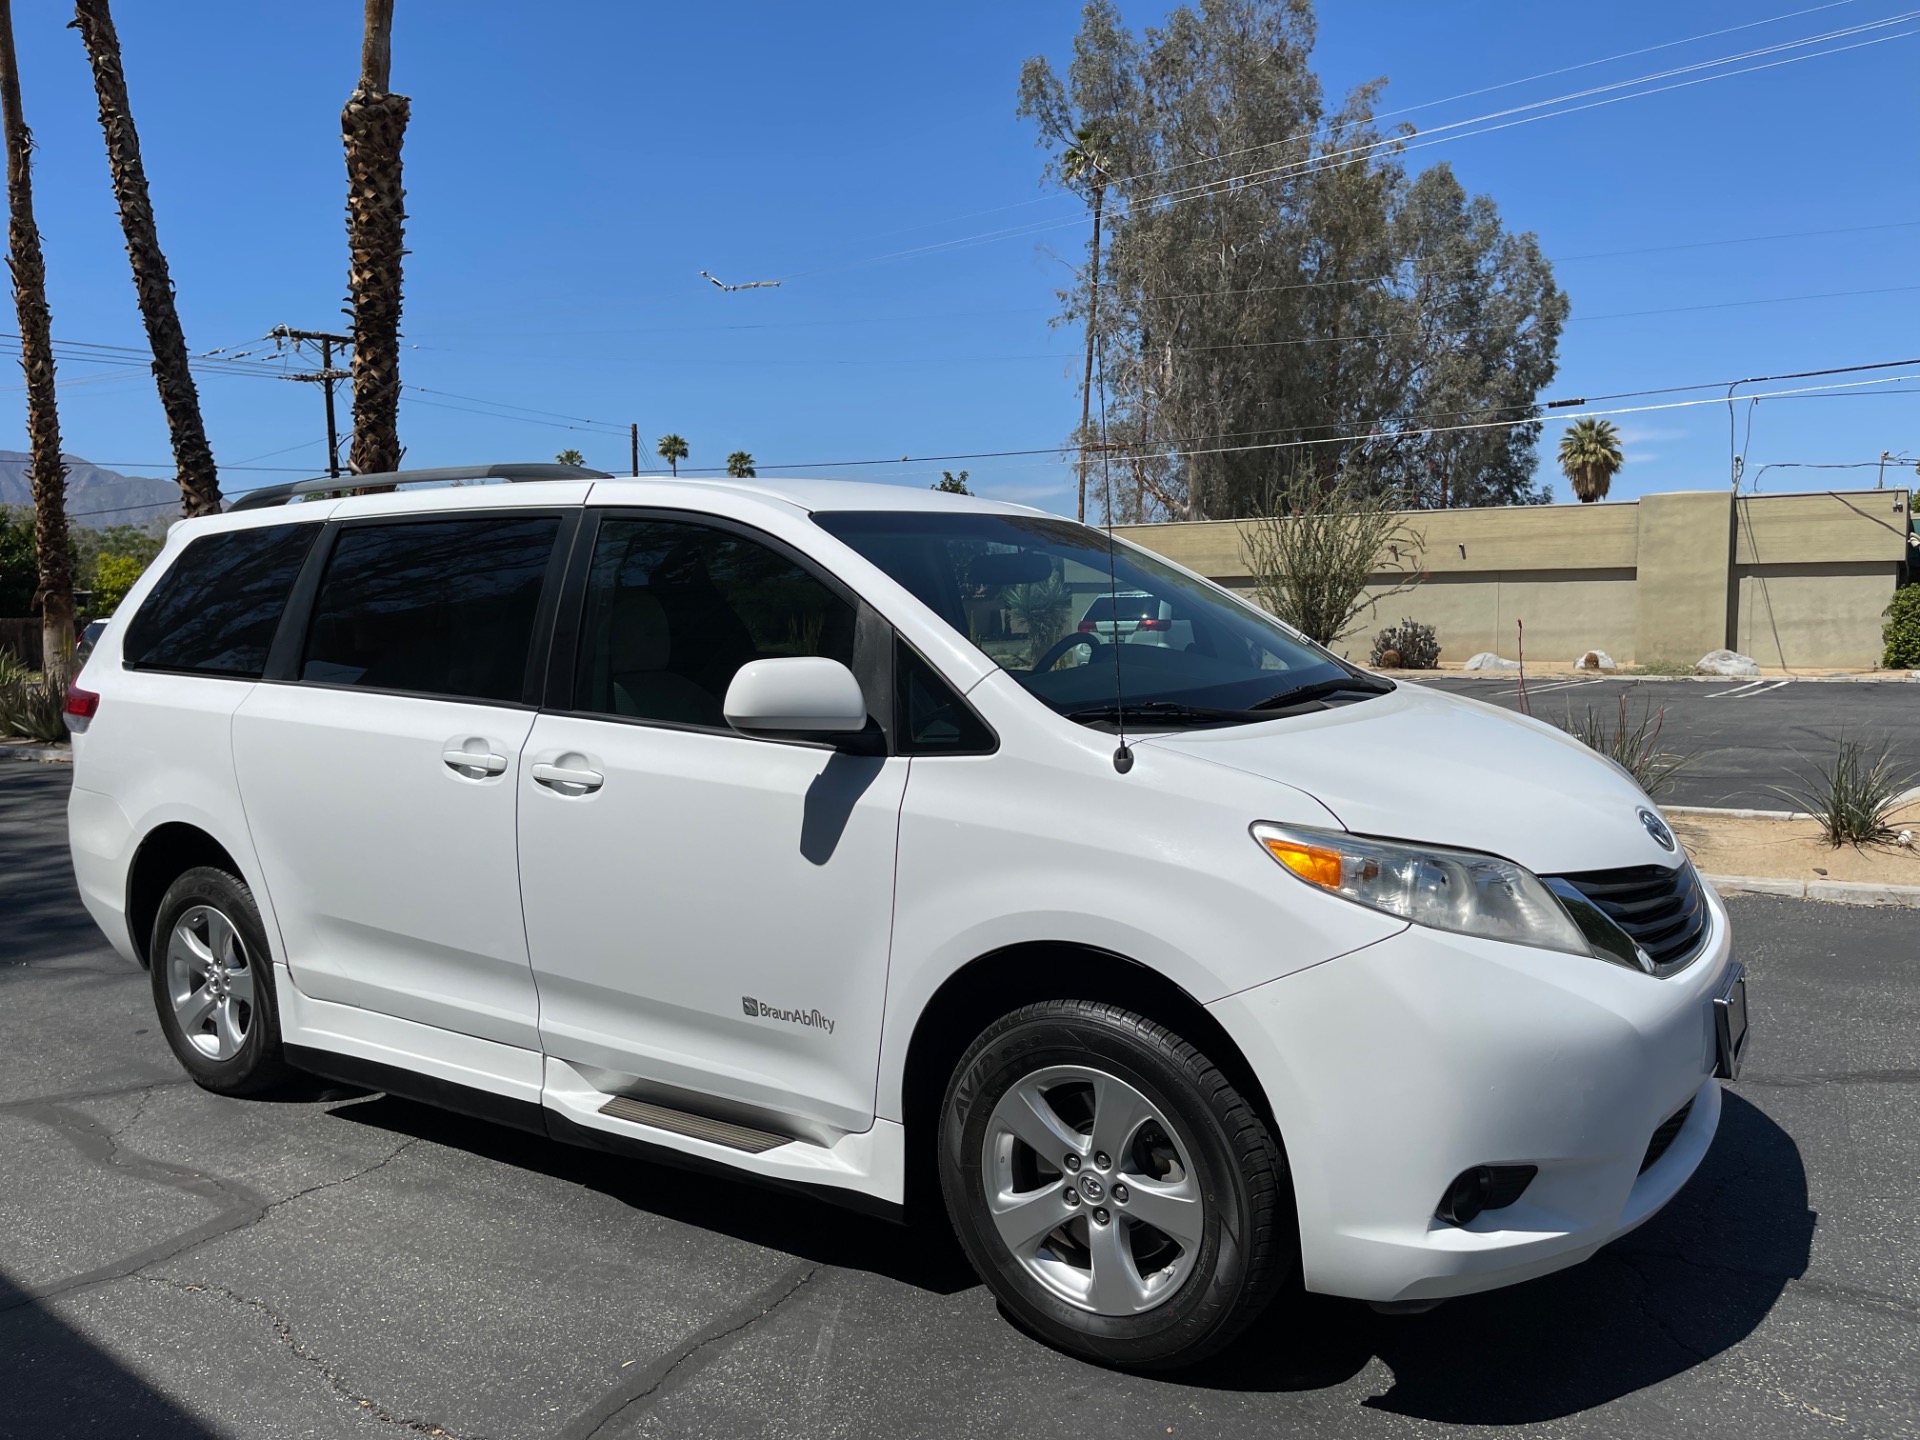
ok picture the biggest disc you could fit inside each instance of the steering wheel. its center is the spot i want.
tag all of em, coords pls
(1092, 639)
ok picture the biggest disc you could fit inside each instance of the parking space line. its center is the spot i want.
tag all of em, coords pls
(1737, 690)
(1557, 685)
(1751, 689)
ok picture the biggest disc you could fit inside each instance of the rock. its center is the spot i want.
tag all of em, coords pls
(1487, 660)
(1727, 662)
(1595, 660)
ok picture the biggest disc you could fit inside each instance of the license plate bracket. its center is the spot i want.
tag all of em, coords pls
(1730, 1023)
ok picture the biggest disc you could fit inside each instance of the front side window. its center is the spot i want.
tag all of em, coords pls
(442, 607)
(215, 610)
(1094, 629)
(673, 609)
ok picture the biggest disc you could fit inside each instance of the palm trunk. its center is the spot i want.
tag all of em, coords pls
(1093, 318)
(373, 125)
(46, 474)
(192, 456)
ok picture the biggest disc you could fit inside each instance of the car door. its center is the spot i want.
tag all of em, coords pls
(379, 774)
(708, 915)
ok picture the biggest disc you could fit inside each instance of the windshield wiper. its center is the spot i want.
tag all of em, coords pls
(1174, 711)
(1302, 694)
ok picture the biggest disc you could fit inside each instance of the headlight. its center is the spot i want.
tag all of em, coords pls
(1453, 890)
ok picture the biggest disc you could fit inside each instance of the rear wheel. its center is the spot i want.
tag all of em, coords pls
(213, 983)
(1120, 1197)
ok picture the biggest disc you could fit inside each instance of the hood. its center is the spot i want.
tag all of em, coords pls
(1423, 765)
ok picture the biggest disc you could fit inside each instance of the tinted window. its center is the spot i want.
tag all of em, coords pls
(674, 609)
(214, 612)
(933, 719)
(440, 607)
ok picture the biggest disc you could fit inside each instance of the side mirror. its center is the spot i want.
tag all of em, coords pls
(803, 697)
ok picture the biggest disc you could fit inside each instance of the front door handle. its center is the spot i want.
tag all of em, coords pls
(567, 780)
(479, 761)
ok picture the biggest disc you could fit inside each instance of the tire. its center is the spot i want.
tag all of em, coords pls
(1107, 1282)
(212, 979)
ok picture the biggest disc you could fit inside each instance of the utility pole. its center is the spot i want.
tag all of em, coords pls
(324, 376)
(1881, 483)
(634, 430)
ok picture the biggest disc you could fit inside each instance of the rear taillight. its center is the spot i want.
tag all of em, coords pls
(81, 707)
(1156, 624)
(1087, 627)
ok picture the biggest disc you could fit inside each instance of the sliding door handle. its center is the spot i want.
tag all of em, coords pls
(567, 780)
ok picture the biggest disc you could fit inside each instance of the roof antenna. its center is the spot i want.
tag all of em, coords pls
(1122, 757)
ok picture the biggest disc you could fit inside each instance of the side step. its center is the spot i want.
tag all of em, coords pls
(699, 1127)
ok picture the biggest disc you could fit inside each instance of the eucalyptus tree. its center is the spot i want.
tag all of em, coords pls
(1278, 291)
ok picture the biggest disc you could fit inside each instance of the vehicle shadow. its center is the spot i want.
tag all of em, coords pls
(925, 1256)
(1693, 1281)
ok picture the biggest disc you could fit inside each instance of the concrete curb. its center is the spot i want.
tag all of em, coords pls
(1834, 892)
(45, 754)
(1735, 814)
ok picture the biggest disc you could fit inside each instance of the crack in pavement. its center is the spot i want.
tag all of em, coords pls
(242, 1207)
(650, 1382)
(284, 1333)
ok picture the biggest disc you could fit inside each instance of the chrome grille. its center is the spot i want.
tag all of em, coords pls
(1663, 910)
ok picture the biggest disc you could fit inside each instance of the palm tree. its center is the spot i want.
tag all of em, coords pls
(1083, 167)
(1590, 456)
(570, 457)
(373, 125)
(46, 473)
(673, 450)
(740, 465)
(192, 456)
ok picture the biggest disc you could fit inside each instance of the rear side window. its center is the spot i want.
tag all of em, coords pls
(215, 610)
(441, 607)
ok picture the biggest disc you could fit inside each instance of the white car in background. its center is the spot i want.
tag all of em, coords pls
(683, 819)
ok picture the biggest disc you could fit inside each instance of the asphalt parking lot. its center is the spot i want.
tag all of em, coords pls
(175, 1264)
(1749, 739)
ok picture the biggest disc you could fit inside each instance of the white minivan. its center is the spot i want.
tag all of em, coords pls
(683, 819)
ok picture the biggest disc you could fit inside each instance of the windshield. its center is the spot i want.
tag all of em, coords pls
(1056, 605)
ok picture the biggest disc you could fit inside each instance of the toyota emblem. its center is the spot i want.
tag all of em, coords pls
(1657, 828)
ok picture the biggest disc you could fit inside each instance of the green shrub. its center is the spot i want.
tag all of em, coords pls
(114, 576)
(1902, 631)
(1413, 646)
(1671, 668)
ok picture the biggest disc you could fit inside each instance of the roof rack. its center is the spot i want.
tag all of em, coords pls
(387, 479)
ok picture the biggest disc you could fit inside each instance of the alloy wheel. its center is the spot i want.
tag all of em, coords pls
(210, 981)
(1093, 1190)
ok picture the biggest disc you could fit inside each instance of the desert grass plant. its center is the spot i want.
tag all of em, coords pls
(1853, 799)
(1631, 743)
(31, 711)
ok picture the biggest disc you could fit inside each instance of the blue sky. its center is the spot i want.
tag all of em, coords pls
(572, 168)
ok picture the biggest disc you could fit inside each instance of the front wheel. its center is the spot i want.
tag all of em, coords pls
(213, 984)
(1115, 1191)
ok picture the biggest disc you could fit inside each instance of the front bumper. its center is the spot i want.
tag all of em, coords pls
(1394, 1068)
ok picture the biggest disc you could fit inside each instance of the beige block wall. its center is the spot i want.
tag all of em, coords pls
(1801, 585)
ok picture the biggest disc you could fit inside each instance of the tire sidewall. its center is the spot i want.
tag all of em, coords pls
(1208, 1297)
(258, 1062)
